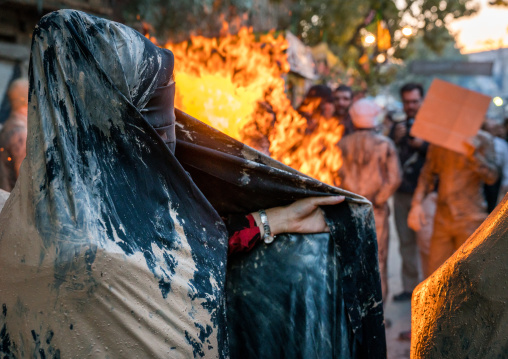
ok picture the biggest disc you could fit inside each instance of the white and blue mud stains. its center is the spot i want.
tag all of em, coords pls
(197, 347)
(101, 189)
(245, 179)
(42, 347)
(5, 340)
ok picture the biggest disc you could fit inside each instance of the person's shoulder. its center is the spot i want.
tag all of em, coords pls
(502, 142)
(485, 141)
(500, 146)
(383, 139)
(355, 139)
(484, 136)
(345, 139)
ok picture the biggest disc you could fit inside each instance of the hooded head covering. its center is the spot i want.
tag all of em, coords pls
(365, 113)
(105, 236)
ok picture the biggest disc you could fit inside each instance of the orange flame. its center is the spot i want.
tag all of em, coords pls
(235, 84)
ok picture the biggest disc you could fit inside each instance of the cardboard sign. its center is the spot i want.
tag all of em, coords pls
(450, 115)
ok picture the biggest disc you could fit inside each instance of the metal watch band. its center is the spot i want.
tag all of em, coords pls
(267, 237)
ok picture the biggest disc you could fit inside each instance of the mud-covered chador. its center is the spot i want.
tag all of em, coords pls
(113, 246)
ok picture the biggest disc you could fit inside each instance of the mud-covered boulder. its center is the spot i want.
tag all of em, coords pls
(461, 311)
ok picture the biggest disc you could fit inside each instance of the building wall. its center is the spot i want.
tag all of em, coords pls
(497, 85)
(500, 70)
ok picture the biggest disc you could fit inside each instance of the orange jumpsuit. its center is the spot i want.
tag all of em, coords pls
(461, 206)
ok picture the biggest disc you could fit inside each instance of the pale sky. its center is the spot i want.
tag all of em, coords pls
(490, 23)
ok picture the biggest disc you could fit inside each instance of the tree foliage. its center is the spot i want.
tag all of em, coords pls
(420, 51)
(499, 2)
(341, 24)
(176, 20)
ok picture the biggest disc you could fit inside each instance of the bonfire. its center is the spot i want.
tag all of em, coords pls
(235, 84)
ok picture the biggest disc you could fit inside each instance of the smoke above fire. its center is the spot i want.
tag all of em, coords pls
(235, 84)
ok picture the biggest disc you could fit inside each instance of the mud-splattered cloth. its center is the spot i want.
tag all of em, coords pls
(111, 246)
(315, 296)
(461, 311)
(107, 248)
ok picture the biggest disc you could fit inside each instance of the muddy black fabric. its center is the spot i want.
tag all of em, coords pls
(160, 112)
(295, 310)
(111, 245)
(304, 296)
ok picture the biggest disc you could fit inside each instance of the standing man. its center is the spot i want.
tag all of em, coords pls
(371, 168)
(343, 98)
(412, 153)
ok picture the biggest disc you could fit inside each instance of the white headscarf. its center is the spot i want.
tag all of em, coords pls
(365, 113)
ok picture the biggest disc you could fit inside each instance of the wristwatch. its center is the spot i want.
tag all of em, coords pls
(267, 237)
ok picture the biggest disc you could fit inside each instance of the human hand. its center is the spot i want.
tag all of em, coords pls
(302, 216)
(416, 142)
(416, 218)
(399, 132)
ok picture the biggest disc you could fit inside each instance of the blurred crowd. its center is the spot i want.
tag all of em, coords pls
(440, 197)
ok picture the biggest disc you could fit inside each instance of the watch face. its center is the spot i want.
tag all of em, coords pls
(268, 239)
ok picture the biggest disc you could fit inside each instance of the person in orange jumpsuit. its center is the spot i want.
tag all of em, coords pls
(461, 206)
